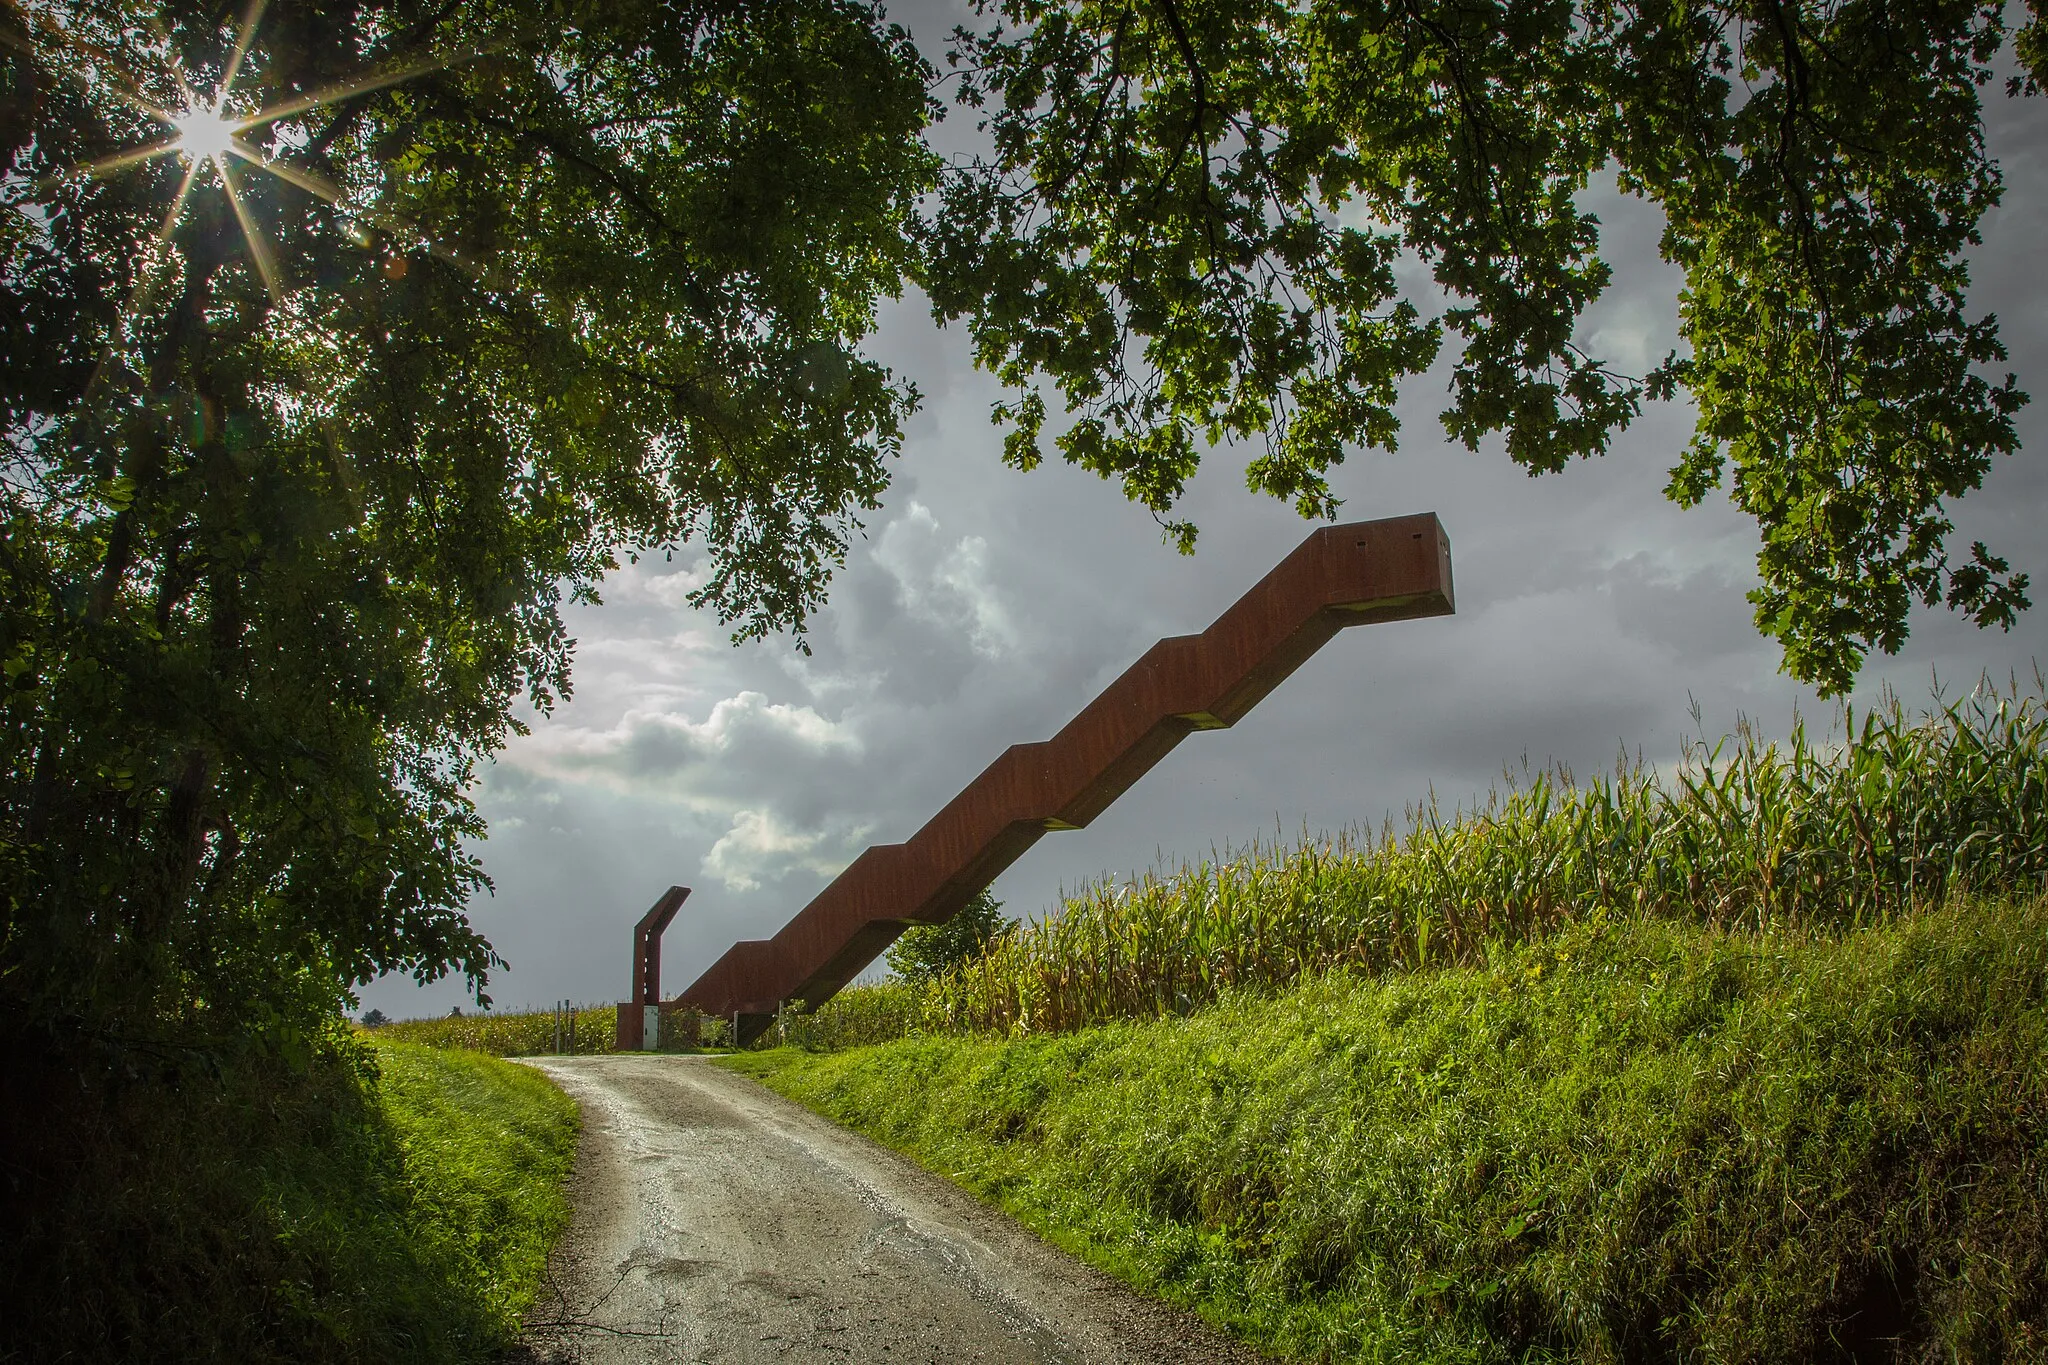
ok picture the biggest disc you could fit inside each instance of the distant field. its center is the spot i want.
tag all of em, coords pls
(532, 1033)
(528, 1034)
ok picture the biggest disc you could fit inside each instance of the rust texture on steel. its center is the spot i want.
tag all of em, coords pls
(1391, 570)
(647, 966)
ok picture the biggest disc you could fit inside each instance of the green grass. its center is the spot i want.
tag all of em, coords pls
(486, 1148)
(386, 1203)
(1631, 1141)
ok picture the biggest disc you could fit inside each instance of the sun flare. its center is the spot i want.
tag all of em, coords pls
(203, 135)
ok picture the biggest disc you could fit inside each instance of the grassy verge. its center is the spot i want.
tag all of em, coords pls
(1640, 1141)
(386, 1203)
(487, 1148)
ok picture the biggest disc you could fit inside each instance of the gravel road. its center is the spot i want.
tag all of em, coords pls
(717, 1222)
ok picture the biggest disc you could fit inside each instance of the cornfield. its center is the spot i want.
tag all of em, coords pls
(853, 1018)
(531, 1033)
(1888, 810)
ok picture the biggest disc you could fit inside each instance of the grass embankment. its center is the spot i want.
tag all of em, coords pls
(1641, 1069)
(388, 1203)
(1635, 1142)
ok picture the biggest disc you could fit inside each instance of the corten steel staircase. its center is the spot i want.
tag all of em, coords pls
(1366, 572)
(633, 1014)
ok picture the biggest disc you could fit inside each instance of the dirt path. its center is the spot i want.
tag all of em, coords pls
(717, 1222)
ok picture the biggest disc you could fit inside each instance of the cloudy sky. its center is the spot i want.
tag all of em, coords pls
(984, 607)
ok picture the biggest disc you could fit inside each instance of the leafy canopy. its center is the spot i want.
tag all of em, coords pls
(345, 340)
(298, 478)
(1193, 219)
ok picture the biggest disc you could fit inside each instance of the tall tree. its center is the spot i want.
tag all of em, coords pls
(928, 951)
(343, 341)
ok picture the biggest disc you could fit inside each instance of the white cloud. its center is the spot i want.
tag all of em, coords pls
(758, 848)
(660, 753)
(946, 583)
(660, 583)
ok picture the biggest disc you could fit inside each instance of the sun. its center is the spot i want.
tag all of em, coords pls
(203, 135)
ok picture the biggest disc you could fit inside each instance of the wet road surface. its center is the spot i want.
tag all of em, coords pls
(717, 1222)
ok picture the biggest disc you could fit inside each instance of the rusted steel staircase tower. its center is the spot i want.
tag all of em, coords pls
(1366, 572)
(638, 1025)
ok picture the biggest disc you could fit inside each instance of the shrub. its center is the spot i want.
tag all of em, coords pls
(928, 951)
